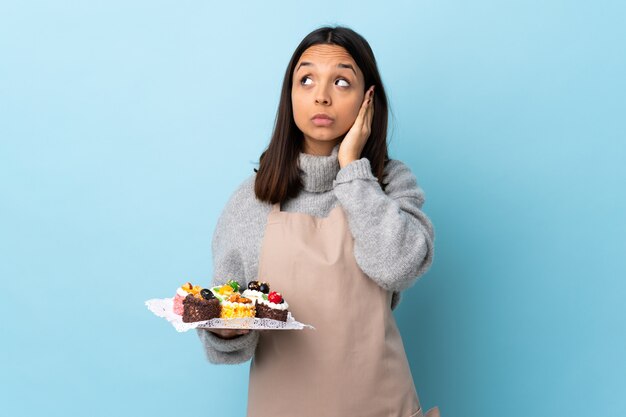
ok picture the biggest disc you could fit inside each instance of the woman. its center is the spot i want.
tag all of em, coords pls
(318, 222)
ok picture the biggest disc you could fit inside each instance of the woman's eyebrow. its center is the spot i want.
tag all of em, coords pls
(340, 65)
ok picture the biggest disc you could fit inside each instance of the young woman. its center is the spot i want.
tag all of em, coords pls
(336, 226)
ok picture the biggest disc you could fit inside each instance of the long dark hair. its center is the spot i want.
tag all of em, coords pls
(278, 176)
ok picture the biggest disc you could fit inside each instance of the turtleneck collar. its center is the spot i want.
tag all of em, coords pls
(319, 171)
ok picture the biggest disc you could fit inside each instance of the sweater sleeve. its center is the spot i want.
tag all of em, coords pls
(228, 264)
(393, 238)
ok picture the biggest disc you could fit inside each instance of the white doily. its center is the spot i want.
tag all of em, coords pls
(164, 307)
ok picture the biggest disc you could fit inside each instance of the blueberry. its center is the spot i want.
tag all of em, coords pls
(207, 294)
(264, 288)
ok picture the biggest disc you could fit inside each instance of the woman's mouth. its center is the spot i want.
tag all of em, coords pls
(322, 119)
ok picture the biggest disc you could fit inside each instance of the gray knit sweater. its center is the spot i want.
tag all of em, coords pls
(393, 238)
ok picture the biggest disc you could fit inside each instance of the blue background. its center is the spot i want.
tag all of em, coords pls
(125, 127)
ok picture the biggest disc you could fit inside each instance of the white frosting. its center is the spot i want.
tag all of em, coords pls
(181, 292)
(258, 296)
(281, 306)
(253, 294)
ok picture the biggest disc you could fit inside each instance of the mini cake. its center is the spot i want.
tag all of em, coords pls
(234, 304)
(237, 306)
(204, 307)
(181, 293)
(269, 305)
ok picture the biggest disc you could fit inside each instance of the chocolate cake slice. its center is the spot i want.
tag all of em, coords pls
(199, 309)
(266, 312)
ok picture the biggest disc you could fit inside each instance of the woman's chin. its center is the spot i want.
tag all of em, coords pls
(324, 136)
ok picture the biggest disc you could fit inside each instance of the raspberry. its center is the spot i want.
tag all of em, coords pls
(275, 297)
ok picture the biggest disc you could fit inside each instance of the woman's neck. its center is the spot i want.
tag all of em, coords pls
(319, 147)
(319, 171)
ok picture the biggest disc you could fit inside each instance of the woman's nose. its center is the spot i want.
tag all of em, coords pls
(322, 96)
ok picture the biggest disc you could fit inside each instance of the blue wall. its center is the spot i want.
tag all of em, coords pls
(125, 126)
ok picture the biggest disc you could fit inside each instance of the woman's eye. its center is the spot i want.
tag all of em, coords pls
(306, 77)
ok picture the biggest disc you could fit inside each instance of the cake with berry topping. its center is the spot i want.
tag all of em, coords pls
(201, 307)
(256, 290)
(269, 304)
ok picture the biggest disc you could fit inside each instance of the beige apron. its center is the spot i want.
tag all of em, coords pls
(354, 363)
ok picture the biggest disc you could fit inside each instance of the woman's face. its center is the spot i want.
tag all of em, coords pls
(326, 80)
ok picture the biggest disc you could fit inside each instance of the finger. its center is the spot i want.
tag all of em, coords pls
(370, 114)
(368, 98)
(365, 126)
(364, 105)
(358, 122)
(229, 333)
(365, 113)
(367, 116)
(360, 118)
